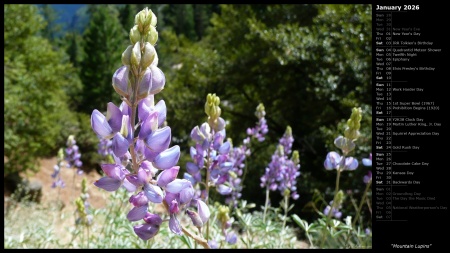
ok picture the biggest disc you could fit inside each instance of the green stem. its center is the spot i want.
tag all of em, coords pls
(363, 199)
(286, 206)
(266, 204)
(362, 202)
(334, 201)
(207, 198)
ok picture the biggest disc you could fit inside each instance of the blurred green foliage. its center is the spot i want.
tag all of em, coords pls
(308, 64)
(104, 41)
(36, 77)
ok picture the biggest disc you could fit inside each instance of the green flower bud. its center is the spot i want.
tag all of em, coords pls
(339, 198)
(280, 150)
(60, 154)
(83, 185)
(152, 36)
(288, 131)
(135, 35)
(260, 111)
(286, 192)
(148, 56)
(295, 157)
(70, 140)
(353, 124)
(126, 56)
(223, 214)
(143, 19)
(136, 55)
(154, 19)
(212, 108)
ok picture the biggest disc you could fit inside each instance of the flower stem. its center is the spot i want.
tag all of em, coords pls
(334, 202)
(286, 206)
(362, 202)
(266, 204)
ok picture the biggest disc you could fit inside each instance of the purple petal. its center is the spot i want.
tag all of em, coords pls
(129, 186)
(196, 135)
(108, 184)
(139, 199)
(148, 125)
(192, 168)
(167, 176)
(224, 190)
(137, 213)
(113, 171)
(146, 231)
(100, 125)
(125, 109)
(231, 238)
(152, 219)
(160, 107)
(158, 79)
(174, 207)
(168, 158)
(351, 163)
(189, 177)
(144, 107)
(332, 161)
(114, 117)
(174, 225)
(186, 195)
(120, 81)
(159, 140)
(150, 155)
(153, 193)
(177, 185)
(225, 148)
(213, 244)
(145, 84)
(203, 210)
(367, 162)
(120, 145)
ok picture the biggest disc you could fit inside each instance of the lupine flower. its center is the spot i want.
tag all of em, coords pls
(56, 175)
(334, 213)
(143, 161)
(282, 172)
(105, 147)
(212, 147)
(238, 155)
(367, 161)
(73, 155)
(335, 161)
(367, 178)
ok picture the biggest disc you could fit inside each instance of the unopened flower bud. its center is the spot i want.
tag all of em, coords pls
(126, 56)
(135, 35)
(136, 55)
(260, 111)
(223, 214)
(353, 124)
(121, 83)
(195, 218)
(148, 56)
(154, 19)
(143, 19)
(152, 36)
(295, 157)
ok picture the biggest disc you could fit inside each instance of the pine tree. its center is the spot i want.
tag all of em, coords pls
(104, 41)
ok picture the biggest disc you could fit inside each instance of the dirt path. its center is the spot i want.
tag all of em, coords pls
(72, 190)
